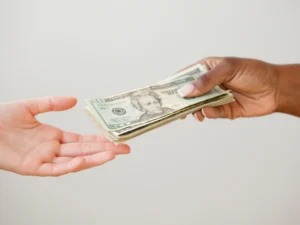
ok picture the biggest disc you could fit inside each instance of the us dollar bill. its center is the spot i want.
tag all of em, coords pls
(196, 71)
(128, 133)
(144, 105)
(129, 114)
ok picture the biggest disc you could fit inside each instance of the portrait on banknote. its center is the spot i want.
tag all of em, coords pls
(150, 103)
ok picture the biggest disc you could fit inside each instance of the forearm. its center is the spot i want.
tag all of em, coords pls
(289, 89)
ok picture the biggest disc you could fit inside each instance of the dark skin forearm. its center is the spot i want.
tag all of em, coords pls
(289, 89)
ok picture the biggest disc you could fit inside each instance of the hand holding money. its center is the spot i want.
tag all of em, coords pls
(259, 87)
(127, 115)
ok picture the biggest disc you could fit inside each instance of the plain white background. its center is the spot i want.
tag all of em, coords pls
(245, 171)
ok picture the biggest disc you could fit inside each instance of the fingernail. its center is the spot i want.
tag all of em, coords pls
(185, 90)
(203, 112)
(196, 117)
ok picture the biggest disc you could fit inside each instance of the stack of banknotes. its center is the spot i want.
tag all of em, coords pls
(126, 115)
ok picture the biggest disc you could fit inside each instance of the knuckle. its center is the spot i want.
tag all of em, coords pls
(207, 59)
(109, 146)
(211, 61)
(229, 66)
(50, 103)
(229, 63)
(230, 113)
(85, 147)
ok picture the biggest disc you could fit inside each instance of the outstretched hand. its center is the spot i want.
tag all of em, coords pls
(29, 147)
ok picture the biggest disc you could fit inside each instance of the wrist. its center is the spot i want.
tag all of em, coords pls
(288, 89)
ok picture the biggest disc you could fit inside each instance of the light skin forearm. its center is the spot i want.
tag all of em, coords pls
(289, 89)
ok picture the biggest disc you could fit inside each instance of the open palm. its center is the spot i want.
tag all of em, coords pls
(29, 147)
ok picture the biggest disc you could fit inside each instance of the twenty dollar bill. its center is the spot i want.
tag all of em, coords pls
(127, 115)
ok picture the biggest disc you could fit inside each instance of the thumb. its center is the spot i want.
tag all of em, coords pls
(205, 82)
(50, 103)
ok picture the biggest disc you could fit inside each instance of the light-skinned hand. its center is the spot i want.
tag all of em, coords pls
(29, 147)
